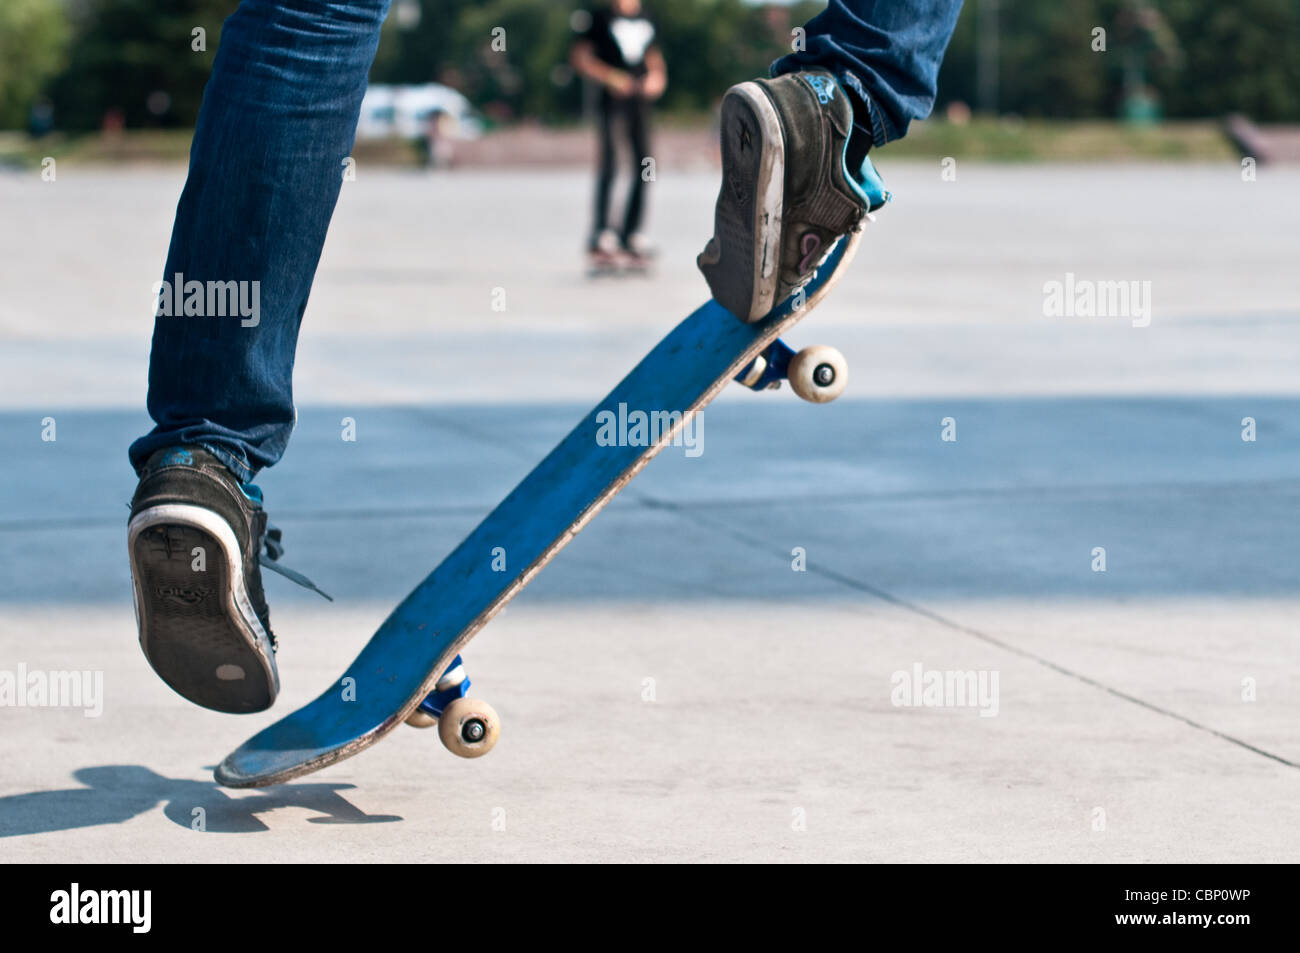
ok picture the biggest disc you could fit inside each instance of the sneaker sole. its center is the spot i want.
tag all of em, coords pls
(199, 630)
(750, 205)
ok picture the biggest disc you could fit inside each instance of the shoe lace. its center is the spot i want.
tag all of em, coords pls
(273, 547)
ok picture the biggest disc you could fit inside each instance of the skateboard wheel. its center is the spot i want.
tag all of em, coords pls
(754, 371)
(469, 727)
(818, 374)
(421, 719)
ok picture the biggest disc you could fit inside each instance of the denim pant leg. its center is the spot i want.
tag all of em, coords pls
(886, 51)
(278, 120)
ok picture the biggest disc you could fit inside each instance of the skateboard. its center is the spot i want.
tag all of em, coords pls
(411, 670)
(621, 264)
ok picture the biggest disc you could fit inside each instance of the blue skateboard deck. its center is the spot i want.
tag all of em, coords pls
(403, 661)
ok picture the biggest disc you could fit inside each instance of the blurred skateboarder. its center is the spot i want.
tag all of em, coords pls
(616, 50)
(276, 127)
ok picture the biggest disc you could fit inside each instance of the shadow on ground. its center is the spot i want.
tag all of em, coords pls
(1015, 506)
(114, 794)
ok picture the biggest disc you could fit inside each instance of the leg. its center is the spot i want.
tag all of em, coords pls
(636, 113)
(887, 52)
(278, 119)
(605, 170)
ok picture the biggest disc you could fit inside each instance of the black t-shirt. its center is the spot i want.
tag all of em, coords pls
(620, 42)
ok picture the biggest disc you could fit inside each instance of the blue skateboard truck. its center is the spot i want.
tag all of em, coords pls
(818, 374)
(467, 726)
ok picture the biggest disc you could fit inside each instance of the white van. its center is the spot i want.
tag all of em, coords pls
(404, 111)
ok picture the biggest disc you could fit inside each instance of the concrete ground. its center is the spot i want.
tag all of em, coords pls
(671, 687)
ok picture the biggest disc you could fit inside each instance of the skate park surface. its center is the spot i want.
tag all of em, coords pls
(714, 670)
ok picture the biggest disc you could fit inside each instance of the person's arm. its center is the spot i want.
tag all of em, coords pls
(655, 80)
(584, 60)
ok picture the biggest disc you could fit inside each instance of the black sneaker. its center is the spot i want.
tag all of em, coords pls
(786, 193)
(196, 541)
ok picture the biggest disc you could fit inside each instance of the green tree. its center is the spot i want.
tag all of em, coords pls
(128, 52)
(34, 36)
(708, 44)
(1239, 57)
(1045, 63)
(711, 44)
(515, 54)
(418, 43)
(1205, 58)
(1049, 67)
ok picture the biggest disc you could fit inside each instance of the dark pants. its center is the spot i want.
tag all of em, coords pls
(632, 117)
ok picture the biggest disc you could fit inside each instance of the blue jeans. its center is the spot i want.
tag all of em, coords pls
(278, 121)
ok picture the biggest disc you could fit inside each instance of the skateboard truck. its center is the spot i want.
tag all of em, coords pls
(467, 726)
(818, 374)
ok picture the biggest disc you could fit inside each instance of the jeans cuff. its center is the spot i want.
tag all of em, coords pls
(233, 463)
(879, 130)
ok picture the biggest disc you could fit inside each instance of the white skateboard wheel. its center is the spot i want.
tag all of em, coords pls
(818, 374)
(421, 719)
(469, 727)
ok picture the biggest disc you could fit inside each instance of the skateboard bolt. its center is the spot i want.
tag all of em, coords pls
(824, 375)
(473, 731)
